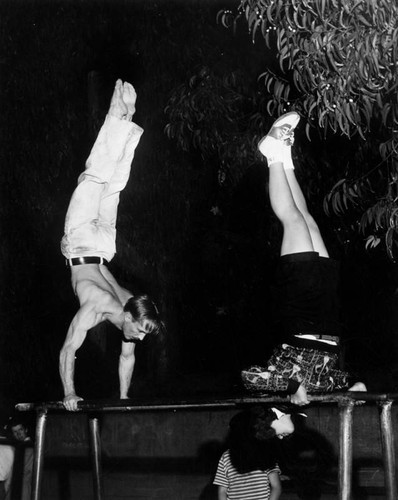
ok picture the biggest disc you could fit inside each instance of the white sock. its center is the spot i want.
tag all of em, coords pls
(272, 149)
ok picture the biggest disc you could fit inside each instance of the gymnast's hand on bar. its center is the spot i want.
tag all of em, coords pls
(70, 402)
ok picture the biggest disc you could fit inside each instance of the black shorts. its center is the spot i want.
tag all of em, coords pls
(307, 294)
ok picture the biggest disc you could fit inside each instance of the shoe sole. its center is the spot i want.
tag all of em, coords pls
(290, 119)
(285, 119)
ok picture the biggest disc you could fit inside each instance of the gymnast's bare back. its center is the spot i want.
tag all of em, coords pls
(96, 287)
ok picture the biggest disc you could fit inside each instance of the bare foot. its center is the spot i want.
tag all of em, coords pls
(300, 397)
(358, 387)
(123, 101)
(129, 98)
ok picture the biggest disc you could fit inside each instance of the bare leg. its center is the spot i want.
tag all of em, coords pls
(300, 231)
(296, 236)
(316, 237)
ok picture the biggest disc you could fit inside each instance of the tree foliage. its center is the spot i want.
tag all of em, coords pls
(336, 63)
(220, 117)
(339, 59)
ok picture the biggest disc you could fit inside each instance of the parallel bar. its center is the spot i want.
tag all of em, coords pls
(210, 402)
(345, 451)
(95, 449)
(387, 440)
(38, 454)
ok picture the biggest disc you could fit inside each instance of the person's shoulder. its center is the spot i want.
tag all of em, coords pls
(274, 470)
(225, 456)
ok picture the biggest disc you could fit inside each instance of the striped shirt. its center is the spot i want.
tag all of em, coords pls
(253, 485)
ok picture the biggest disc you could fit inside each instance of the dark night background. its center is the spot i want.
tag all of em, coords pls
(210, 273)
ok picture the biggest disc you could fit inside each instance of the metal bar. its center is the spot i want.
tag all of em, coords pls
(41, 421)
(387, 441)
(130, 405)
(95, 449)
(345, 451)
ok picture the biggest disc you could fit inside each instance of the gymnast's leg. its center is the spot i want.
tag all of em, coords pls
(90, 202)
(123, 108)
(286, 197)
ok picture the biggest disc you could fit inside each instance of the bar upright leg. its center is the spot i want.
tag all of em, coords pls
(345, 451)
(387, 441)
(95, 449)
(41, 421)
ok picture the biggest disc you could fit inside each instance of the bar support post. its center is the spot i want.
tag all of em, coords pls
(41, 421)
(345, 450)
(95, 449)
(387, 441)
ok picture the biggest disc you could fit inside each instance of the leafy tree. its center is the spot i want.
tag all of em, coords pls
(336, 64)
(220, 116)
(333, 61)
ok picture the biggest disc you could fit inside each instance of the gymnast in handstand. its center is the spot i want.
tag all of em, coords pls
(89, 244)
(306, 287)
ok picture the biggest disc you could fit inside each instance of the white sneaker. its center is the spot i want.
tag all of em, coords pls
(280, 136)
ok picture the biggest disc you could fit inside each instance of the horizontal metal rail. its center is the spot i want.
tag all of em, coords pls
(130, 405)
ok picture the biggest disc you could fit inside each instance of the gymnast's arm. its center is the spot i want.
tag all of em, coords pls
(84, 319)
(126, 367)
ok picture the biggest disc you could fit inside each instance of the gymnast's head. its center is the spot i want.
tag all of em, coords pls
(267, 423)
(254, 438)
(141, 318)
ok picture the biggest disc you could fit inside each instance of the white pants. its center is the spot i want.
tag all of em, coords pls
(90, 223)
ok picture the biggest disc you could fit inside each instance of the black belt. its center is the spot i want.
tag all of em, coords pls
(77, 261)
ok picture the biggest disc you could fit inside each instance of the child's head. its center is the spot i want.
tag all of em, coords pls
(252, 436)
(263, 423)
(281, 423)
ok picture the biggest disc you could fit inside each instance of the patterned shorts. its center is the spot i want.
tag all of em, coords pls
(314, 369)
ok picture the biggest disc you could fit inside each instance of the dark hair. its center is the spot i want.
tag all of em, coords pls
(262, 419)
(15, 420)
(141, 307)
(253, 444)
